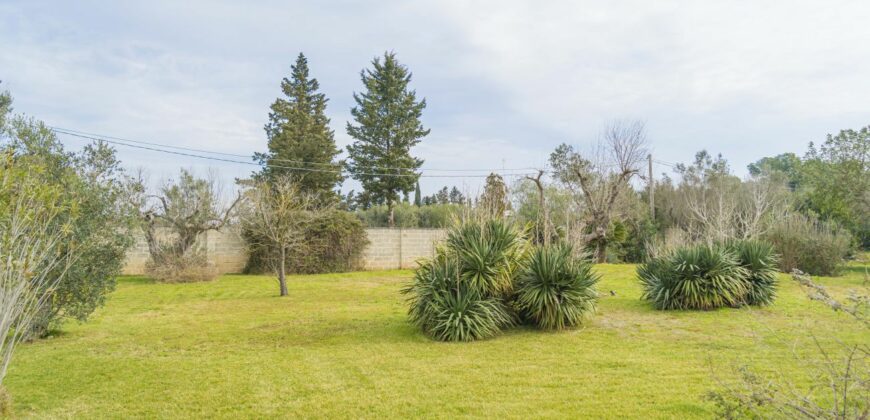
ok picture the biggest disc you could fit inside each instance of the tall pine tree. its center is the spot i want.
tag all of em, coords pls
(300, 137)
(388, 124)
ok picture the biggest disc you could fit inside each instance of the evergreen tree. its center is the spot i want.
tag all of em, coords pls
(495, 198)
(443, 196)
(300, 137)
(387, 115)
(456, 196)
(417, 199)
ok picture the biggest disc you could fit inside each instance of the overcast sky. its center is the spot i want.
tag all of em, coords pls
(505, 81)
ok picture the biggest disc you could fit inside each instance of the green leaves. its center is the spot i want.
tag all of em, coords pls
(485, 277)
(557, 290)
(711, 276)
(462, 294)
(760, 263)
(387, 116)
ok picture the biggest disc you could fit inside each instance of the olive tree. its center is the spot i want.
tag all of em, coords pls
(277, 215)
(104, 220)
(602, 176)
(187, 208)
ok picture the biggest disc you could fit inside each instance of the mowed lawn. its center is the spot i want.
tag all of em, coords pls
(340, 346)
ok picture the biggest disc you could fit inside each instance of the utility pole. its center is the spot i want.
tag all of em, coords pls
(652, 189)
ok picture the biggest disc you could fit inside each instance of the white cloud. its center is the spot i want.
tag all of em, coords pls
(504, 79)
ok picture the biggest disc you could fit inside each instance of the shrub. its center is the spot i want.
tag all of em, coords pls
(809, 245)
(334, 243)
(461, 294)
(491, 252)
(694, 277)
(410, 216)
(557, 290)
(192, 266)
(759, 261)
(448, 309)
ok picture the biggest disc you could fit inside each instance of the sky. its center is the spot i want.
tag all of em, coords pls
(505, 81)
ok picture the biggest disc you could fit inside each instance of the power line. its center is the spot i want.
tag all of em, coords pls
(156, 149)
(85, 134)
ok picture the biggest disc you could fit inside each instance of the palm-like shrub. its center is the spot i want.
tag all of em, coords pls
(694, 277)
(760, 263)
(557, 290)
(491, 252)
(447, 309)
(461, 294)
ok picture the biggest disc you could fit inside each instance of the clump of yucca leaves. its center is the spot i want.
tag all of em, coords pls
(557, 290)
(464, 292)
(733, 273)
(760, 262)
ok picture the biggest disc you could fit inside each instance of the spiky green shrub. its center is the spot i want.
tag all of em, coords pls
(760, 263)
(462, 293)
(446, 308)
(557, 289)
(694, 277)
(491, 253)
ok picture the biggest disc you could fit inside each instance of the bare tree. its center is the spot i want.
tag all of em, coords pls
(188, 208)
(276, 215)
(839, 386)
(601, 177)
(544, 216)
(714, 205)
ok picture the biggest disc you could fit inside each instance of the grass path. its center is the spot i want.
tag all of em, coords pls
(340, 346)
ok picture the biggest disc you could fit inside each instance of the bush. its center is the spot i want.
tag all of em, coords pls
(759, 261)
(334, 243)
(188, 268)
(461, 294)
(815, 247)
(410, 216)
(694, 277)
(448, 309)
(557, 290)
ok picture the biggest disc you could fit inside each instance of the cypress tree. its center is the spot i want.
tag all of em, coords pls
(300, 137)
(417, 198)
(388, 124)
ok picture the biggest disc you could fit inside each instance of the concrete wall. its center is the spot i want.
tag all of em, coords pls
(388, 249)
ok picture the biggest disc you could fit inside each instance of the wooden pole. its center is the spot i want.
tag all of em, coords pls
(652, 189)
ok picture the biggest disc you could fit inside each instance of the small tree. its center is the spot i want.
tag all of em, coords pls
(600, 178)
(418, 200)
(494, 199)
(188, 208)
(387, 126)
(32, 253)
(278, 214)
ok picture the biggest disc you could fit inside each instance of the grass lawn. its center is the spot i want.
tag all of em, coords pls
(340, 346)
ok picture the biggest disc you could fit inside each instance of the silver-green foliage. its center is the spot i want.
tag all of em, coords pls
(557, 290)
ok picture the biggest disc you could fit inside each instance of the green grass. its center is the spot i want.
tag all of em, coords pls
(341, 346)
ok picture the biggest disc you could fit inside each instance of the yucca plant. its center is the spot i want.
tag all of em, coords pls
(491, 252)
(462, 293)
(557, 289)
(694, 277)
(760, 263)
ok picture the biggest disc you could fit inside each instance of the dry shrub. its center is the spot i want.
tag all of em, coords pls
(189, 268)
(803, 243)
